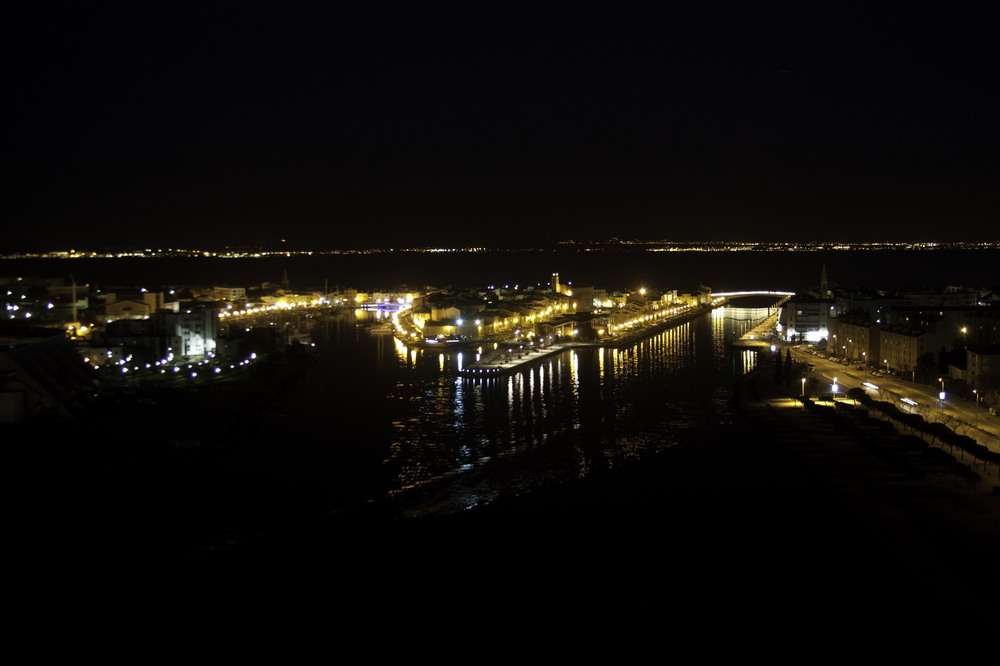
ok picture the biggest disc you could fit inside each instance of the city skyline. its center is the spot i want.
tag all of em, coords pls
(455, 125)
(280, 248)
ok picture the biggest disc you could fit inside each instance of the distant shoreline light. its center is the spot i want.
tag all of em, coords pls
(580, 246)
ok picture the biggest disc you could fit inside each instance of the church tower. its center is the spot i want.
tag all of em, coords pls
(824, 288)
(555, 283)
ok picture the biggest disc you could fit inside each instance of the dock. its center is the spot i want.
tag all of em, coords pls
(506, 358)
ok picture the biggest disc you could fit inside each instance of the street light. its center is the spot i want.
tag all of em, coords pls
(864, 362)
(977, 406)
(804, 391)
(941, 394)
(886, 366)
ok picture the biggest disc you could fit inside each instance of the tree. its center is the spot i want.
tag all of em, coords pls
(788, 366)
(991, 399)
(927, 368)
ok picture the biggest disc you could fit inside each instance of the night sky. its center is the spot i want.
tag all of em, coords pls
(342, 124)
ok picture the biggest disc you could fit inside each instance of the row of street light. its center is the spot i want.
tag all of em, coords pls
(941, 394)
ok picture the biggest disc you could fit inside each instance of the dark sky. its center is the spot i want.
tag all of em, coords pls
(342, 124)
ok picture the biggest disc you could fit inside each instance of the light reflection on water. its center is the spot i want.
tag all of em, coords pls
(460, 442)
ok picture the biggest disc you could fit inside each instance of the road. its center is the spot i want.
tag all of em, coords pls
(959, 414)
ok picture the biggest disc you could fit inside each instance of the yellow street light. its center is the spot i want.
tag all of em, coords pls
(977, 406)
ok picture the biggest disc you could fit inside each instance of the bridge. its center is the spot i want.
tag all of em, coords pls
(755, 336)
(784, 295)
(780, 297)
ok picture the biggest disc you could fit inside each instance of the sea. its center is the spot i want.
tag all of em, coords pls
(374, 427)
(606, 268)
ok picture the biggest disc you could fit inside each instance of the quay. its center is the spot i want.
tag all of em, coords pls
(509, 357)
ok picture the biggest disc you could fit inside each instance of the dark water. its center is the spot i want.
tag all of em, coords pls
(440, 443)
(722, 271)
(381, 430)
